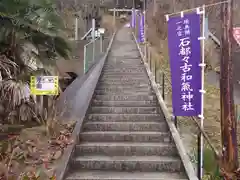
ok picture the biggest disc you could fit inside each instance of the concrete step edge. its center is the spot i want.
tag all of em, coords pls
(118, 175)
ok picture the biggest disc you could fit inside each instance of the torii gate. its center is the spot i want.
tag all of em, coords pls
(114, 10)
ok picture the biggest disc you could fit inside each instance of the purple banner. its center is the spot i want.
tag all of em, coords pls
(133, 19)
(185, 57)
(141, 28)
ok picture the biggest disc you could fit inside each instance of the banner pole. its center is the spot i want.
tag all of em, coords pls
(202, 91)
(145, 40)
(145, 36)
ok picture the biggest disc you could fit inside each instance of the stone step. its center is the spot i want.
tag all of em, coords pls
(118, 175)
(134, 73)
(125, 126)
(120, 136)
(134, 88)
(124, 65)
(128, 74)
(124, 68)
(128, 93)
(131, 65)
(124, 61)
(129, 70)
(124, 110)
(128, 163)
(125, 97)
(125, 149)
(124, 77)
(126, 117)
(125, 88)
(123, 83)
(130, 79)
(117, 77)
(125, 103)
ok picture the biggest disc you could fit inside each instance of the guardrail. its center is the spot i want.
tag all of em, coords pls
(93, 51)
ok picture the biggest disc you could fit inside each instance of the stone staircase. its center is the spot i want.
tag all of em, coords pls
(125, 135)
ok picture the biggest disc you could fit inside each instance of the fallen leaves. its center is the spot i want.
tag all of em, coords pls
(18, 153)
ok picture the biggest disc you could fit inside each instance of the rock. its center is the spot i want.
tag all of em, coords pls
(57, 155)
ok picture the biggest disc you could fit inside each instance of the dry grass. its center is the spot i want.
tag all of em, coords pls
(35, 150)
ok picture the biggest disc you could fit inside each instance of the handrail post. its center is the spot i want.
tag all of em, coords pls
(150, 65)
(93, 38)
(163, 85)
(149, 53)
(146, 55)
(85, 59)
(155, 73)
(199, 155)
(175, 121)
(101, 43)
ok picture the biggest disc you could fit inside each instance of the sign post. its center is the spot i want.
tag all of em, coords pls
(44, 85)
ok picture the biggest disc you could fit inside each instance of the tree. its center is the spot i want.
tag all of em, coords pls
(31, 36)
(228, 119)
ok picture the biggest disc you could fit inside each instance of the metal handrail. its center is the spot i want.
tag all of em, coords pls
(216, 152)
(95, 50)
(86, 34)
(90, 42)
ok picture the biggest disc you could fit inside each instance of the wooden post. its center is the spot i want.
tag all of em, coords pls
(228, 119)
(45, 106)
(145, 30)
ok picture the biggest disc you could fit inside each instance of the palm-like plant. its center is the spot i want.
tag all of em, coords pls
(31, 35)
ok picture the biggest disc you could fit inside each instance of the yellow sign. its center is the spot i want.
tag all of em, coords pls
(44, 85)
